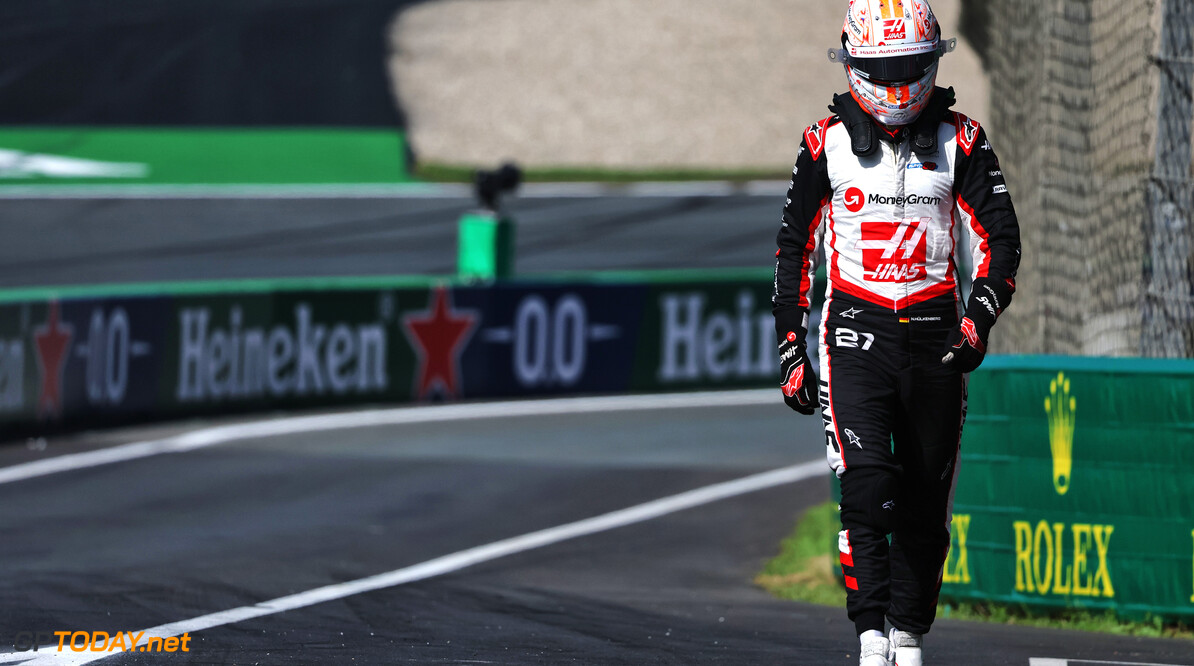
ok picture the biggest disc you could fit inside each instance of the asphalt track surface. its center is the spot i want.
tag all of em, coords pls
(172, 537)
(164, 538)
(69, 241)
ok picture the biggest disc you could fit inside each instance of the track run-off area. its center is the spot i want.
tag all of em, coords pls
(591, 530)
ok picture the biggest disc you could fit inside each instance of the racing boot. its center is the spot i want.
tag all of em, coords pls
(875, 649)
(906, 647)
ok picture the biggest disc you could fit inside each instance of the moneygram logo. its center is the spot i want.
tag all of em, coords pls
(894, 251)
(1060, 407)
(907, 200)
(854, 199)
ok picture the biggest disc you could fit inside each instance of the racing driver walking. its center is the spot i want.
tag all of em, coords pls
(885, 187)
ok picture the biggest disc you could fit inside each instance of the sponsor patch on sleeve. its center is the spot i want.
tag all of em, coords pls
(814, 137)
(967, 132)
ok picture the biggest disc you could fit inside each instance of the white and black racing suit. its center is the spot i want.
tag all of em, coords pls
(890, 222)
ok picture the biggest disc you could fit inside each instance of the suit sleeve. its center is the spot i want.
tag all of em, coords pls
(985, 205)
(799, 238)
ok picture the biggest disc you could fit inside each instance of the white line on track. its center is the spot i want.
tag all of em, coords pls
(455, 561)
(205, 437)
(1038, 661)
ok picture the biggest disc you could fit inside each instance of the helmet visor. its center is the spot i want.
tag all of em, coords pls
(894, 69)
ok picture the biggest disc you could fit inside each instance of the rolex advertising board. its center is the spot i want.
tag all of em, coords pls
(1077, 486)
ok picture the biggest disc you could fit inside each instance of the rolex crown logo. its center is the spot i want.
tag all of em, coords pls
(1060, 407)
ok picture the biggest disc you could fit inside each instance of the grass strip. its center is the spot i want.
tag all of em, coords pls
(804, 571)
(457, 173)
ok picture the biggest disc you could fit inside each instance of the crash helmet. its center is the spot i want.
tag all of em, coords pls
(890, 49)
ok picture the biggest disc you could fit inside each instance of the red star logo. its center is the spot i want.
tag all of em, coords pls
(52, 340)
(438, 334)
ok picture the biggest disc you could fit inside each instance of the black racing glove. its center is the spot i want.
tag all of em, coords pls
(797, 378)
(967, 344)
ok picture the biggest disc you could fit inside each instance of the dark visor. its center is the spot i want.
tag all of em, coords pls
(895, 68)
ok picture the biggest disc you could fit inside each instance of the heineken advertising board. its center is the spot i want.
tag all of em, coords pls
(103, 359)
(1077, 486)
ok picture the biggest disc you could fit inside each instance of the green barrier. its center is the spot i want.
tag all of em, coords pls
(137, 156)
(1076, 487)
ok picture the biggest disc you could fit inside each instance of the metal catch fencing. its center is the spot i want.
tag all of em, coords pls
(1091, 113)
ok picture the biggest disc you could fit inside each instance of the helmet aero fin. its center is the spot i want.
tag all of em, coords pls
(890, 50)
